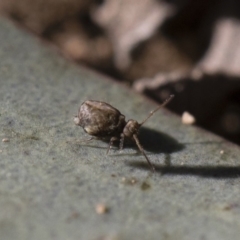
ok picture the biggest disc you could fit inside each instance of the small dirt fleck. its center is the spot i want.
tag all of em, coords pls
(129, 181)
(145, 186)
(5, 140)
(73, 216)
(32, 137)
(188, 119)
(26, 152)
(101, 208)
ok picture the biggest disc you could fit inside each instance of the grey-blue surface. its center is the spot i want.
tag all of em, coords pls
(51, 180)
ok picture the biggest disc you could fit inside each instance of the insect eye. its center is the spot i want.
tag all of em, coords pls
(76, 120)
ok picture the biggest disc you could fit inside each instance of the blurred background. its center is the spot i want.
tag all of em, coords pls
(190, 48)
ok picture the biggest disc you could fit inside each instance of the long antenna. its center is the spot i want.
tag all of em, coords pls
(162, 105)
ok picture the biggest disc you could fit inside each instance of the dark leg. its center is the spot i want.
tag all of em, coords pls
(111, 143)
(143, 152)
(121, 142)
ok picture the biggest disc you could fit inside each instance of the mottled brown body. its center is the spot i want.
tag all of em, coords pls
(101, 120)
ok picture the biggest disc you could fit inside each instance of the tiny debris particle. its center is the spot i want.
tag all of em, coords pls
(221, 152)
(227, 208)
(123, 179)
(101, 208)
(129, 181)
(188, 119)
(1, 151)
(5, 140)
(73, 216)
(145, 186)
(133, 180)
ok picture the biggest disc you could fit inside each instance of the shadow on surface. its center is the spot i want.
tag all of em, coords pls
(203, 171)
(158, 142)
(151, 140)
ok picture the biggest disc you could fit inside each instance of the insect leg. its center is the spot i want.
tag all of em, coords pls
(111, 143)
(121, 142)
(88, 139)
(143, 152)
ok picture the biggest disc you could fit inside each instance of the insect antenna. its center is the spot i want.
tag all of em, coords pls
(143, 152)
(162, 105)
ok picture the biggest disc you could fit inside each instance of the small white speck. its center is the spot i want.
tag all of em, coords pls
(101, 208)
(5, 140)
(123, 179)
(133, 180)
(221, 152)
(188, 119)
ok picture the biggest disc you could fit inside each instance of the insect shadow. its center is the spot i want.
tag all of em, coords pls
(169, 145)
(151, 140)
(217, 172)
(158, 142)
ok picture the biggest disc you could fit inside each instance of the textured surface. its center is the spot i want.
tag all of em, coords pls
(50, 182)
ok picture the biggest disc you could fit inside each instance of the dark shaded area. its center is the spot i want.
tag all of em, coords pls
(192, 26)
(158, 142)
(213, 100)
(151, 140)
(202, 171)
(185, 28)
